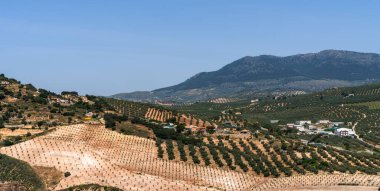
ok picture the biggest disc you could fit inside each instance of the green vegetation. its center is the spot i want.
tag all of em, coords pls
(94, 187)
(13, 170)
(128, 108)
(160, 153)
(279, 158)
(373, 105)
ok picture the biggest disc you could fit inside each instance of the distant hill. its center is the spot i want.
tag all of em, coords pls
(252, 75)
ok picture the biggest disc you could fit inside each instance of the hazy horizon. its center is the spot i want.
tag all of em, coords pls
(104, 48)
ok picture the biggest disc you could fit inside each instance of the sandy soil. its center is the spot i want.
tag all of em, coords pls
(93, 154)
(331, 188)
(18, 132)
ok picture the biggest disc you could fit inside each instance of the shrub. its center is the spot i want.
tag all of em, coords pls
(7, 142)
(67, 174)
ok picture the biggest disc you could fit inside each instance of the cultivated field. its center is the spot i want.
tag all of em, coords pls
(163, 116)
(322, 182)
(93, 154)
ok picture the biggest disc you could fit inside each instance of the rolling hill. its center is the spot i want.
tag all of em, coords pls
(262, 74)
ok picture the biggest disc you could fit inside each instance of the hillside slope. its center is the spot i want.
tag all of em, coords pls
(252, 75)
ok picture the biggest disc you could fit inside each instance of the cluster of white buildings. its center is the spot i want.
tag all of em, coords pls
(60, 101)
(334, 128)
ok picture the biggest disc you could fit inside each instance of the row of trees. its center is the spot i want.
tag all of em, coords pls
(160, 153)
(204, 154)
(170, 149)
(182, 152)
(193, 154)
(214, 153)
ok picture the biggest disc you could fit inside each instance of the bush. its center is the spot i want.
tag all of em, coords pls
(67, 174)
(1, 124)
(13, 170)
(18, 138)
(7, 142)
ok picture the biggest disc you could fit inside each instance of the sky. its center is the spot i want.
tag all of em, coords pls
(103, 47)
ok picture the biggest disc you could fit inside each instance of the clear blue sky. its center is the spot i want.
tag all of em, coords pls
(105, 47)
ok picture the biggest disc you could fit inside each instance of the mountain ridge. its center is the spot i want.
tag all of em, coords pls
(266, 73)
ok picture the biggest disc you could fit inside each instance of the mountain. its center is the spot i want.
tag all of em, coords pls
(266, 73)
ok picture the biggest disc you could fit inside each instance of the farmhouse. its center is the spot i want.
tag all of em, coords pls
(344, 132)
(169, 126)
(337, 124)
(312, 127)
(59, 101)
(324, 121)
(290, 125)
(299, 127)
(254, 100)
(274, 121)
(4, 83)
(89, 114)
(303, 122)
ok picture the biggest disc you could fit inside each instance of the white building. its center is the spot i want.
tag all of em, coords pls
(169, 126)
(303, 122)
(299, 127)
(290, 125)
(89, 114)
(4, 83)
(312, 127)
(337, 124)
(254, 100)
(344, 132)
(274, 121)
(323, 121)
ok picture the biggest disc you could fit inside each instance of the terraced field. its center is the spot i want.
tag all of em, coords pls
(131, 109)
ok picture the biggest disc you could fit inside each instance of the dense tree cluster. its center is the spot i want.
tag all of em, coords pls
(111, 119)
(167, 133)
